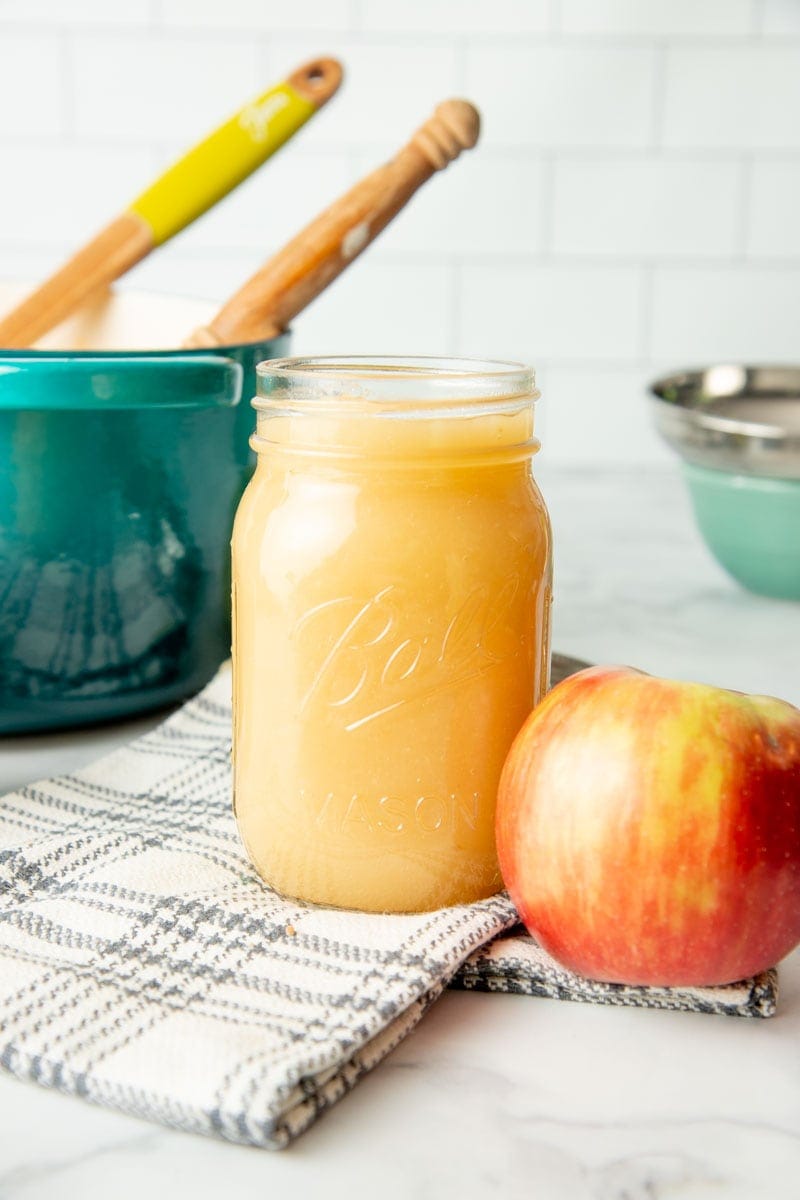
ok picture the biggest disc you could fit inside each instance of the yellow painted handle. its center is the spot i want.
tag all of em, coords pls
(227, 156)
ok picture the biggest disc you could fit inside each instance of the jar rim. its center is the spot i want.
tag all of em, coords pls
(396, 378)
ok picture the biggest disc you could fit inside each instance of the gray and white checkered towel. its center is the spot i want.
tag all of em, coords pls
(144, 966)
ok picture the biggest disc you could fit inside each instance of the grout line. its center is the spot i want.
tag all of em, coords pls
(534, 38)
(647, 290)
(504, 259)
(757, 18)
(518, 153)
(355, 31)
(547, 224)
(265, 58)
(67, 88)
(462, 66)
(456, 306)
(665, 154)
(355, 166)
(745, 204)
(778, 262)
(188, 29)
(659, 95)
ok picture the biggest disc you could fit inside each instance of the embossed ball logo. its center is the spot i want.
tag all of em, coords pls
(370, 668)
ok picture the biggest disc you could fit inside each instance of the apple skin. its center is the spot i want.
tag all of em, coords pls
(648, 830)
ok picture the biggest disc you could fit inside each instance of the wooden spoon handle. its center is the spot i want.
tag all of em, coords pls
(187, 189)
(264, 306)
(110, 253)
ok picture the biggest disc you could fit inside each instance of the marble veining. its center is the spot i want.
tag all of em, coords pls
(507, 1095)
(19, 1181)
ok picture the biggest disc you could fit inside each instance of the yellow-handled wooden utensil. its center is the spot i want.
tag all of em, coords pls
(188, 189)
(263, 307)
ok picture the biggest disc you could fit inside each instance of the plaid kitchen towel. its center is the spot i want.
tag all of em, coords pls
(514, 962)
(144, 966)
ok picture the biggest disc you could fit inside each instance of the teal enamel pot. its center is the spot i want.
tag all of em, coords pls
(737, 429)
(119, 476)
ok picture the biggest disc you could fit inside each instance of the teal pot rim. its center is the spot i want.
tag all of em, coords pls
(160, 352)
(80, 380)
(62, 382)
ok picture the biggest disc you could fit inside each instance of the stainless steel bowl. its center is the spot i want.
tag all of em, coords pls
(733, 418)
(737, 429)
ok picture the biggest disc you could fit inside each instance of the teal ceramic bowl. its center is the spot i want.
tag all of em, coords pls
(121, 472)
(737, 429)
(752, 526)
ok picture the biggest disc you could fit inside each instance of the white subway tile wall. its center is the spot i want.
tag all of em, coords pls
(733, 97)
(646, 207)
(31, 86)
(774, 225)
(780, 16)
(677, 17)
(563, 95)
(726, 313)
(634, 205)
(547, 312)
(66, 192)
(49, 13)
(266, 16)
(390, 86)
(464, 16)
(129, 87)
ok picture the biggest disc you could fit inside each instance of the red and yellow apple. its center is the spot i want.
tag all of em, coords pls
(648, 830)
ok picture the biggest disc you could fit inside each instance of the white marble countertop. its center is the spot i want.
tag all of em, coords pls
(509, 1095)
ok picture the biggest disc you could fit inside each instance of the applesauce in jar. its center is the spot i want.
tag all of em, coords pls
(391, 604)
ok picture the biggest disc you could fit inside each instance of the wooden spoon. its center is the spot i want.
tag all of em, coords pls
(263, 307)
(191, 186)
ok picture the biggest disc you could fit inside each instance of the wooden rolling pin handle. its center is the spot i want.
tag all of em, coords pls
(454, 126)
(263, 307)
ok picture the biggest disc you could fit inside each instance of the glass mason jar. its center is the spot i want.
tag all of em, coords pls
(391, 603)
